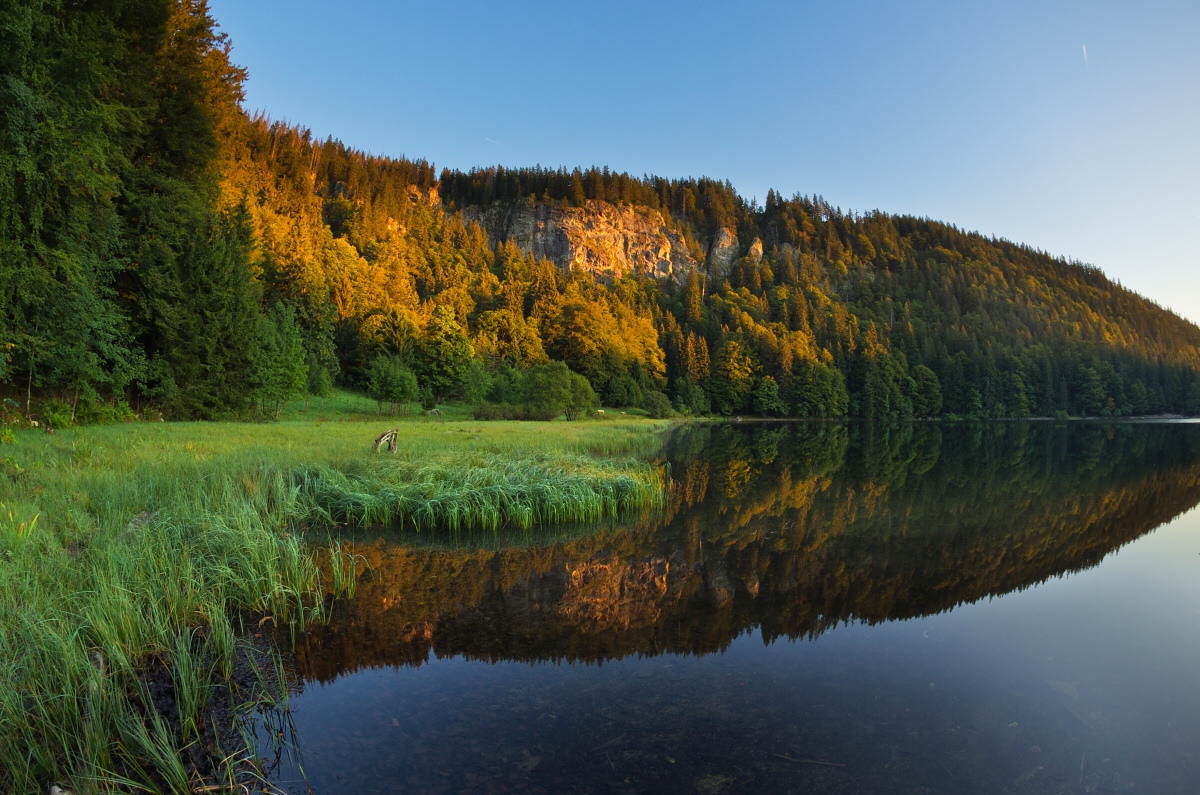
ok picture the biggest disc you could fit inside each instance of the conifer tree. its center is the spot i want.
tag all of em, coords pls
(204, 310)
(278, 359)
(693, 306)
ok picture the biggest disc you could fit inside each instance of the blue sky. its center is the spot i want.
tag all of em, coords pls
(988, 116)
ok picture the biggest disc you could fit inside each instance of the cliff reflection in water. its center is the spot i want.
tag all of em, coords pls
(793, 529)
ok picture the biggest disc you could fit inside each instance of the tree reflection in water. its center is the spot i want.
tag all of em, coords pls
(792, 529)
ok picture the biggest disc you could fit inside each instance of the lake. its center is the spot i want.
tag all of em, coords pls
(1003, 607)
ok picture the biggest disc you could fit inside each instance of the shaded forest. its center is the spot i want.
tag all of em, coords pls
(163, 250)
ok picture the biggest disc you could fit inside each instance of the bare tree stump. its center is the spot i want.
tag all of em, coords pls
(390, 438)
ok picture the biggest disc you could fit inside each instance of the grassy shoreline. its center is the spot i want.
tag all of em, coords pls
(124, 544)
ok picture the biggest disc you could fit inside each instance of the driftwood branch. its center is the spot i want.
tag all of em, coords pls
(390, 438)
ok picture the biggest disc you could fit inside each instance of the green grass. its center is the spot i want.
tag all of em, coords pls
(343, 405)
(119, 544)
(478, 490)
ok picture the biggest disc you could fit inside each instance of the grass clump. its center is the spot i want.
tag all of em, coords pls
(482, 491)
(77, 628)
(123, 548)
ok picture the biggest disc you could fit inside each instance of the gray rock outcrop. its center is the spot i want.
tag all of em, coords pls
(602, 239)
(721, 255)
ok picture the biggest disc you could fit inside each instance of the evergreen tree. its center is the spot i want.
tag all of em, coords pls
(927, 392)
(1193, 399)
(65, 136)
(1090, 398)
(317, 382)
(693, 306)
(204, 310)
(278, 358)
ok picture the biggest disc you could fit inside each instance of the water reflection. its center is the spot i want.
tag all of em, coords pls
(812, 613)
(789, 530)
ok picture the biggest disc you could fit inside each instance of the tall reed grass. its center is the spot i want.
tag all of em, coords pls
(127, 543)
(475, 491)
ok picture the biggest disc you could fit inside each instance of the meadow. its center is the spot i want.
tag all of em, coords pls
(147, 546)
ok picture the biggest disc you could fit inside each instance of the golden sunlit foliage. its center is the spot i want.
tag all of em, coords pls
(149, 222)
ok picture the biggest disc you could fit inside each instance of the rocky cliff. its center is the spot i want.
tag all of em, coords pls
(605, 240)
(722, 254)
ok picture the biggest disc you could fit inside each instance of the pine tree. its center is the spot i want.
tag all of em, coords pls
(204, 311)
(65, 136)
(278, 358)
(693, 299)
(578, 199)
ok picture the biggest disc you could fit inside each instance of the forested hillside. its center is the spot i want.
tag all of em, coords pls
(160, 246)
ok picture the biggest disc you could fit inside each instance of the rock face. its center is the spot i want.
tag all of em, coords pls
(756, 251)
(604, 240)
(721, 255)
(428, 197)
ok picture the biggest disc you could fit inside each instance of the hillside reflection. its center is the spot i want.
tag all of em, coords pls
(791, 529)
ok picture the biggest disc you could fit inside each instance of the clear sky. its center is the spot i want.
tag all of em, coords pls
(1073, 127)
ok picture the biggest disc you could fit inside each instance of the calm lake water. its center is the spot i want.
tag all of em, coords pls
(995, 608)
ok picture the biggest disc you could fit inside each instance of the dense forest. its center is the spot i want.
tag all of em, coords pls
(163, 250)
